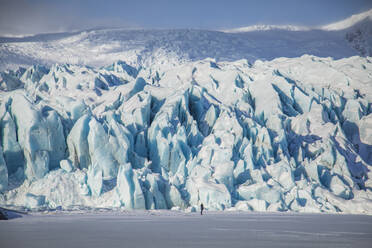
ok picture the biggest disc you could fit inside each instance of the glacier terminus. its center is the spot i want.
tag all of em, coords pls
(236, 120)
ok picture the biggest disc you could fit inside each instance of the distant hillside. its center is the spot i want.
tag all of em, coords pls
(172, 47)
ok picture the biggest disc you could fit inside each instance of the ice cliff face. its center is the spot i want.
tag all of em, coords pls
(291, 134)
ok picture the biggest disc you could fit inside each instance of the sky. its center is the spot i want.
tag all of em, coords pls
(48, 16)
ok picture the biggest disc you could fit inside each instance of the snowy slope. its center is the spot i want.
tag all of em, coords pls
(358, 31)
(292, 134)
(349, 22)
(138, 47)
(146, 47)
(267, 28)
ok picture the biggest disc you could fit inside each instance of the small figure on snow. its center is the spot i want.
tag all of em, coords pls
(201, 209)
(3, 215)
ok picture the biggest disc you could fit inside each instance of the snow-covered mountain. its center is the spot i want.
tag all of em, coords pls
(349, 22)
(146, 47)
(172, 128)
(267, 28)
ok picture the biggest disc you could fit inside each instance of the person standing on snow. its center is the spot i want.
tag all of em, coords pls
(201, 209)
(3, 215)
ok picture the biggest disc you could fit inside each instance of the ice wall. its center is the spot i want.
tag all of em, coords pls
(282, 135)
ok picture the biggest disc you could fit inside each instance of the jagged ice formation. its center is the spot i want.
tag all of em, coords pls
(291, 134)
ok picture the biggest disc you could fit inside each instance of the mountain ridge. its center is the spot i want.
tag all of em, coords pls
(349, 22)
(334, 26)
(99, 47)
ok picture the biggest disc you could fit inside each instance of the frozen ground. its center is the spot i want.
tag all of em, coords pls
(177, 229)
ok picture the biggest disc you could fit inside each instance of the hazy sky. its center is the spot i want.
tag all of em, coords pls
(40, 16)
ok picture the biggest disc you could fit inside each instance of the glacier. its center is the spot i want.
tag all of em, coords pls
(260, 118)
(288, 134)
(166, 48)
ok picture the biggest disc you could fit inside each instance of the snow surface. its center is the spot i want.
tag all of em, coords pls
(168, 128)
(177, 229)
